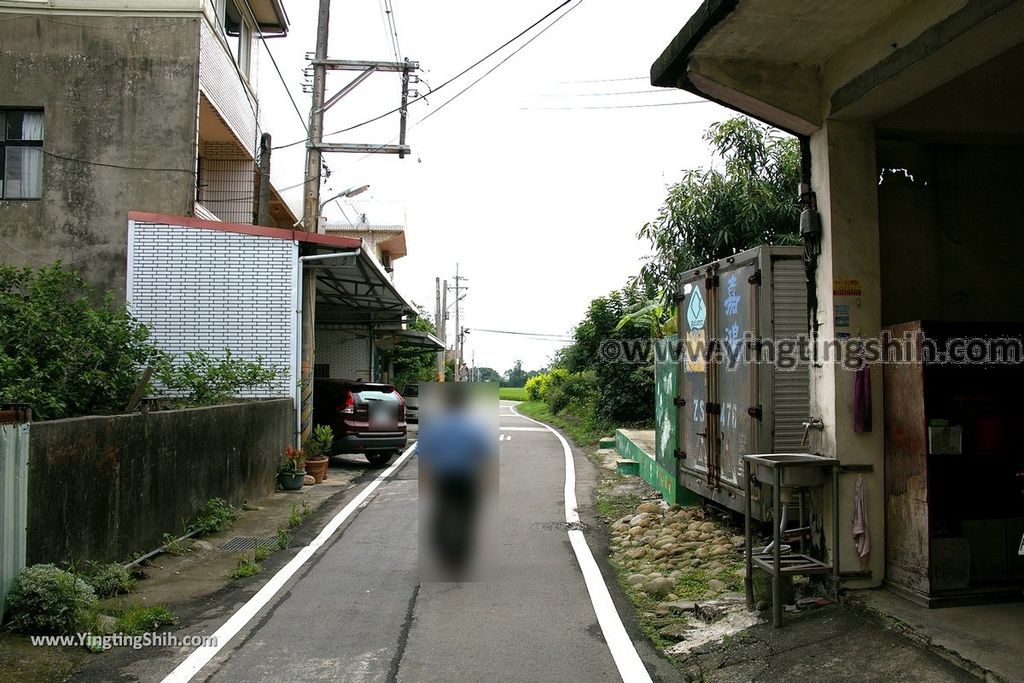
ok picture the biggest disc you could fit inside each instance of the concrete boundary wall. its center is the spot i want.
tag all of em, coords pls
(106, 487)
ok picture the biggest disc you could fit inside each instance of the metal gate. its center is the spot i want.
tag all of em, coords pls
(14, 439)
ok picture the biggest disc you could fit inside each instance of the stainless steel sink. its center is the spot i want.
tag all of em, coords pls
(795, 469)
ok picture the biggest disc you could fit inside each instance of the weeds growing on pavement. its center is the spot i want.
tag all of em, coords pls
(136, 619)
(216, 515)
(283, 538)
(247, 566)
(177, 546)
(298, 515)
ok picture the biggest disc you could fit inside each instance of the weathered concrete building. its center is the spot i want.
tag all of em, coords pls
(910, 116)
(106, 109)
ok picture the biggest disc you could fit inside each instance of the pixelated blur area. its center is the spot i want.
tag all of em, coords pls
(458, 480)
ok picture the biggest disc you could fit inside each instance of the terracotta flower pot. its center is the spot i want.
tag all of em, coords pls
(318, 469)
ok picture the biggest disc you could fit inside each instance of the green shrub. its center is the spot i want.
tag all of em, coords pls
(138, 620)
(537, 387)
(217, 514)
(65, 351)
(201, 380)
(107, 580)
(578, 390)
(47, 600)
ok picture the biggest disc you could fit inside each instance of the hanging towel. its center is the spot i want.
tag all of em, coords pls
(861, 536)
(862, 396)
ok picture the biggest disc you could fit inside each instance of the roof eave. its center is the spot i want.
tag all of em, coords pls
(669, 69)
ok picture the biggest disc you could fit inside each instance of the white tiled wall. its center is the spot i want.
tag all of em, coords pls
(347, 355)
(220, 82)
(211, 290)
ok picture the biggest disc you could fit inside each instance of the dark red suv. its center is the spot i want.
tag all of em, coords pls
(366, 417)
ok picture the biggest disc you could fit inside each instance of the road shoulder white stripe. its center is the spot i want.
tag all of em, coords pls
(627, 660)
(201, 656)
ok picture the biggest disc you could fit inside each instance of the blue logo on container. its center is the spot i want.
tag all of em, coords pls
(695, 310)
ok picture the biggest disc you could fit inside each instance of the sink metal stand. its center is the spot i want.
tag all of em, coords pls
(777, 564)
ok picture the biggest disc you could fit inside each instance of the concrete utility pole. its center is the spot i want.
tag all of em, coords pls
(315, 147)
(263, 200)
(311, 217)
(444, 327)
(458, 329)
(438, 314)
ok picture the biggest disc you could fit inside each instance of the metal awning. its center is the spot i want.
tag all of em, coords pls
(353, 288)
(411, 339)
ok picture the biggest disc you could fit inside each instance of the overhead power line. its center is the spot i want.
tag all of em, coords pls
(609, 80)
(609, 94)
(446, 83)
(539, 335)
(619, 106)
(496, 66)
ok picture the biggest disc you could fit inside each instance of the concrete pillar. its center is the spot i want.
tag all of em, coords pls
(844, 177)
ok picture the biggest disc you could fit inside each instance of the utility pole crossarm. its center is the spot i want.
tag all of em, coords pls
(359, 148)
(363, 65)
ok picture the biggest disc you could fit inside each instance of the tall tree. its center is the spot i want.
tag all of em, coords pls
(747, 199)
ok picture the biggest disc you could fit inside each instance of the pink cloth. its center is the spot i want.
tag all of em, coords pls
(861, 535)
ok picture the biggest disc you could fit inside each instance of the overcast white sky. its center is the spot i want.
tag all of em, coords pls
(534, 192)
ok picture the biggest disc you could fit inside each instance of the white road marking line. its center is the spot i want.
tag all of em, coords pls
(201, 656)
(627, 660)
(521, 429)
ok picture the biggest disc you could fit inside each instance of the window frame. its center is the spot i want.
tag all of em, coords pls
(239, 42)
(5, 143)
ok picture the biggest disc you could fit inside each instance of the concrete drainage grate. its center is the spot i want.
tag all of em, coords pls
(248, 543)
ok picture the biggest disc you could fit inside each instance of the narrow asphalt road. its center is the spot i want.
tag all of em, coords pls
(358, 610)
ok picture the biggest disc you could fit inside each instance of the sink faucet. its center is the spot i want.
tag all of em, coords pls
(812, 423)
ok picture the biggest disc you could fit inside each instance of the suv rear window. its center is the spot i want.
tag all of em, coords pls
(411, 390)
(367, 395)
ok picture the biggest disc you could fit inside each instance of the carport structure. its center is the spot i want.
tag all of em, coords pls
(209, 285)
(359, 313)
(909, 115)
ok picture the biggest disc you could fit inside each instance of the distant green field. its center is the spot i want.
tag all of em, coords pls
(512, 393)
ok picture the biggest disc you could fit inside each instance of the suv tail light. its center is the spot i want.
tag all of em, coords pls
(349, 405)
(401, 404)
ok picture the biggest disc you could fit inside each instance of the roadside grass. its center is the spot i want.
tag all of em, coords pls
(512, 394)
(216, 515)
(298, 515)
(612, 505)
(247, 566)
(177, 546)
(585, 431)
(137, 619)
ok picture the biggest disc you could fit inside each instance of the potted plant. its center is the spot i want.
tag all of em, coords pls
(292, 469)
(318, 450)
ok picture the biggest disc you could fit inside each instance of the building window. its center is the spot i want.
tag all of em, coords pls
(237, 32)
(21, 154)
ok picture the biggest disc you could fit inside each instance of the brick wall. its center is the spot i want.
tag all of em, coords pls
(211, 290)
(347, 354)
